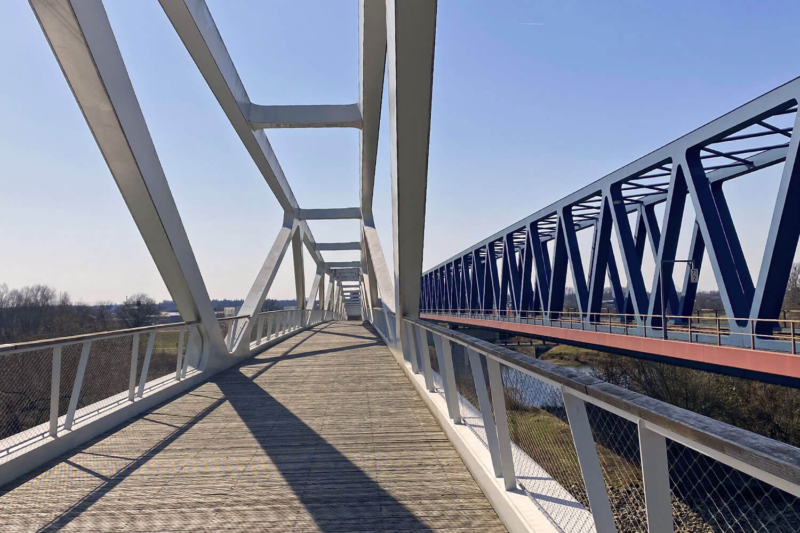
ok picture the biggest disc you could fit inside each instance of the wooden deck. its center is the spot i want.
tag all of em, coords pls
(322, 432)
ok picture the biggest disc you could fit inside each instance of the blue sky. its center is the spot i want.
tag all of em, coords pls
(531, 101)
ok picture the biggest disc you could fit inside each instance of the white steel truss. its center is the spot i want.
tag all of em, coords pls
(83, 42)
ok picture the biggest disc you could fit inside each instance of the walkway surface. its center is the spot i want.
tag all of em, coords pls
(322, 432)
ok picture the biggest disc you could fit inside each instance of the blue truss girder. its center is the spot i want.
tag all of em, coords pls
(692, 168)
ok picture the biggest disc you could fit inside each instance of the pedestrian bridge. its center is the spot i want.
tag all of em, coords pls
(321, 432)
(354, 411)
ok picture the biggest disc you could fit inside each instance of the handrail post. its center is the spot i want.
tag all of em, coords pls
(413, 346)
(655, 476)
(179, 359)
(134, 362)
(719, 333)
(260, 331)
(752, 335)
(424, 354)
(444, 353)
(501, 421)
(146, 365)
(55, 390)
(794, 350)
(690, 330)
(486, 410)
(193, 333)
(589, 462)
(76, 387)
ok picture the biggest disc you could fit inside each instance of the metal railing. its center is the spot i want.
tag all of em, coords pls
(271, 324)
(48, 386)
(595, 457)
(777, 335)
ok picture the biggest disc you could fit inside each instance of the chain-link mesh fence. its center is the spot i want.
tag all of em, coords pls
(26, 377)
(107, 371)
(24, 391)
(469, 405)
(617, 444)
(709, 497)
(438, 384)
(545, 461)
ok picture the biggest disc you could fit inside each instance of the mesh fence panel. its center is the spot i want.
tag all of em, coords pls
(165, 353)
(107, 370)
(465, 383)
(70, 356)
(24, 391)
(709, 496)
(545, 461)
(437, 374)
(617, 443)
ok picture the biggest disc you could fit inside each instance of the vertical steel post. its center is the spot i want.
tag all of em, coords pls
(189, 343)
(449, 378)
(76, 387)
(425, 356)
(179, 359)
(55, 390)
(260, 332)
(486, 410)
(134, 362)
(690, 330)
(655, 475)
(414, 345)
(501, 421)
(590, 464)
(146, 365)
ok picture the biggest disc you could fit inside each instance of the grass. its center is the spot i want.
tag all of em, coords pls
(561, 354)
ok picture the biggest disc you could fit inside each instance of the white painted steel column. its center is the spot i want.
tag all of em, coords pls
(486, 410)
(266, 276)
(410, 38)
(501, 422)
(655, 475)
(590, 464)
(299, 272)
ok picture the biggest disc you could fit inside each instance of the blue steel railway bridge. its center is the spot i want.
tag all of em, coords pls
(369, 408)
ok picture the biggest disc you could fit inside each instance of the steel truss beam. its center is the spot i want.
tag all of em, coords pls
(692, 168)
(304, 116)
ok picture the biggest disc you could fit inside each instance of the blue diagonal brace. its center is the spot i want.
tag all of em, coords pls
(781, 246)
(574, 256)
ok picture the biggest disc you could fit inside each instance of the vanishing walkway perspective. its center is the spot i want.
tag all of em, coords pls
(322, 432)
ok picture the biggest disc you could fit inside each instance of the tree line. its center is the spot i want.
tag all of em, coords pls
(42, 312)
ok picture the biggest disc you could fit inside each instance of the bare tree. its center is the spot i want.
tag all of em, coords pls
(138, 310)
(792, 299)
